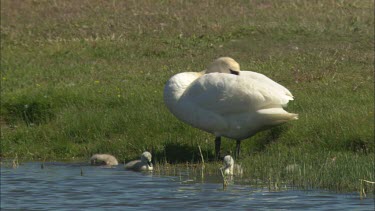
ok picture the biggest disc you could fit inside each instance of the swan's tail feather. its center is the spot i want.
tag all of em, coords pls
(288, 116)
(277, 115)
(281, 118)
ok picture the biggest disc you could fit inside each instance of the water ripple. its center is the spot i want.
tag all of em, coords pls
(60, 186)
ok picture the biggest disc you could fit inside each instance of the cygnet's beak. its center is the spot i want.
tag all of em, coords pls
(234, 72)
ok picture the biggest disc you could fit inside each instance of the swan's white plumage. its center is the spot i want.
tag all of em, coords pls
(234, 106)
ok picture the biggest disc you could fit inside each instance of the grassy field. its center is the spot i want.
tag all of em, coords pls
(88, 77)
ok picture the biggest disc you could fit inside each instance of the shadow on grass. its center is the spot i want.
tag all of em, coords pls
(267, 137)
(358, 145)
(181, 153)
(176, 152)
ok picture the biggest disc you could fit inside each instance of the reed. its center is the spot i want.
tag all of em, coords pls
(15, 163)
(363, 187)
(276, 171)
(225, 179)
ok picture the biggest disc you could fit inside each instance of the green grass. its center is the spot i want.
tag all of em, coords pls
(273, 170)
(78, 79)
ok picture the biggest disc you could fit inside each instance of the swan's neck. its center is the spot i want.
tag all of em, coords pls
(177, 85)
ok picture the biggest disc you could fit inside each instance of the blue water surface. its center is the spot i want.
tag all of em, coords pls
(78, 186)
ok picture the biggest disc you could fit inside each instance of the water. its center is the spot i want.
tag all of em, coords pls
(60, 186)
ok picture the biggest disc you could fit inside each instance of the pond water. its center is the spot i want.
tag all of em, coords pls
(63, 186)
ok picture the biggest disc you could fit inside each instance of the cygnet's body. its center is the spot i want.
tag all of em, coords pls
(230, 168)
(103, 159)
(144, 164)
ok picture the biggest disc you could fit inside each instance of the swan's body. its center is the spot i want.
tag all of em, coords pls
(236, 105)
(230, 168)
(144, 164)
(103, 159)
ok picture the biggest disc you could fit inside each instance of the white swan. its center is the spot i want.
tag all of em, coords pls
(230, 168)
(103, 159)
(141, 165)
(225, 101)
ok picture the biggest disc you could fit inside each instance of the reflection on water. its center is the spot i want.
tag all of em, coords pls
(61, 186)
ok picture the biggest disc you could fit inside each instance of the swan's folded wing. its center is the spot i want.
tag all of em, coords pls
(269, 82)
(226, 93)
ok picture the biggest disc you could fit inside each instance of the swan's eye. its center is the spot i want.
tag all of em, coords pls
(234, 72)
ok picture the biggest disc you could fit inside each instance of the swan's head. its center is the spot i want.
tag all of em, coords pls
(146, 158)
(228, 161)
(224, 65)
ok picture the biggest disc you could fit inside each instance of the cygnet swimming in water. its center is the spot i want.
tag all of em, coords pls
(230, 168)
(144, 164)
(103, 159)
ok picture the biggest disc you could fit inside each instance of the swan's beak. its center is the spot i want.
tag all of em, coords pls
(149, 163)
(234, 72)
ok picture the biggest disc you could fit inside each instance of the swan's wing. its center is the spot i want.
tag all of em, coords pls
(223, 93)
(132, 164)
(265, 80)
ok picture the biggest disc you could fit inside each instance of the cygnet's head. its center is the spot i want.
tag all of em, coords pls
(146, 158)
(224, 65)
(228, 161)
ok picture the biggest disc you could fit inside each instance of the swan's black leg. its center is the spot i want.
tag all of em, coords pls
(238, 148)
(217, 147)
